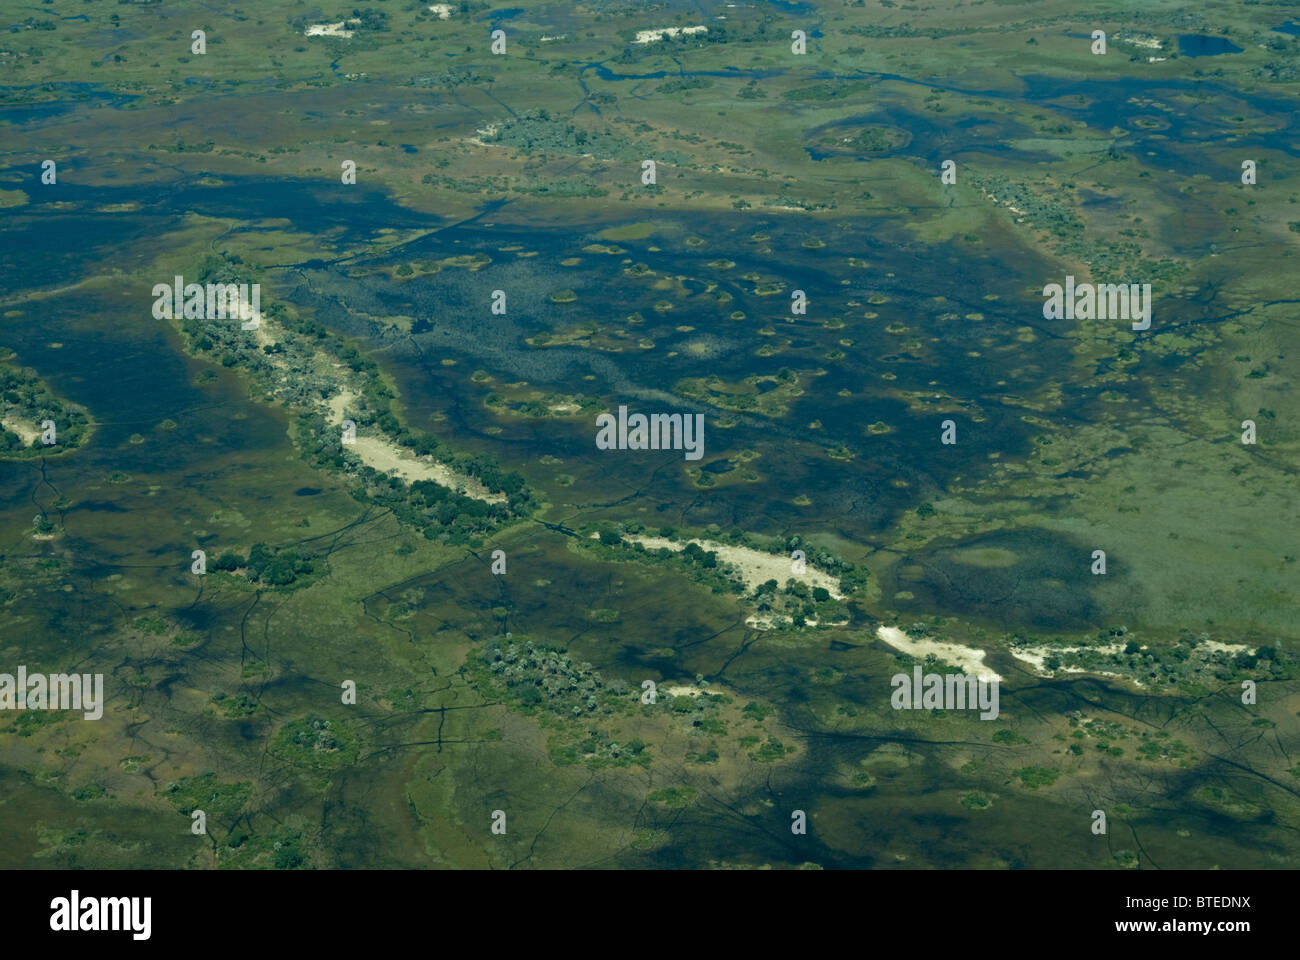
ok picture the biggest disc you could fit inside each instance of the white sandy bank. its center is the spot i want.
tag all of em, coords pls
(27, 433)
(650, 36)
(968, 659)
(331, 29)
(378, 452)
(755, 567)
(388, 457)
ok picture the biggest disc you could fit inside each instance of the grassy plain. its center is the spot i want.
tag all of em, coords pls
(774, 172)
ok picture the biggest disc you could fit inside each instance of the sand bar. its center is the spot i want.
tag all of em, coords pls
(755, 567)
(967, 658)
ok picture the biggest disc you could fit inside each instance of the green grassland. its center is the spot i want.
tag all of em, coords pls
(522, 692)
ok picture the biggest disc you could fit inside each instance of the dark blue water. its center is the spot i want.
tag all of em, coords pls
(72, 96)
(1200, 45)
(927, 136)
(795, 7)
(1290, 27)
(605, 73)
(45, 246)
(508, 14)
